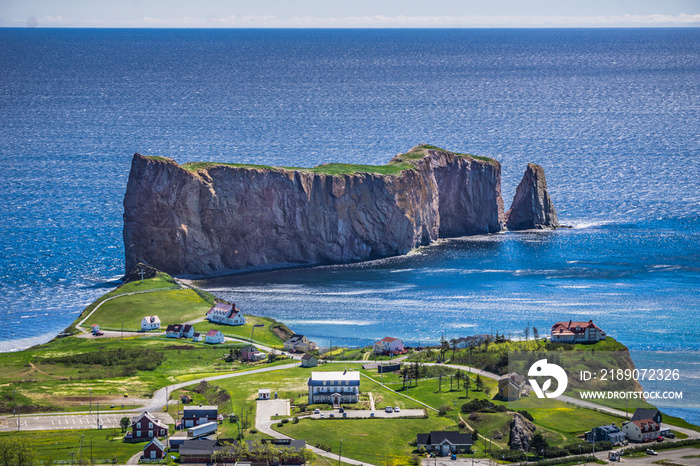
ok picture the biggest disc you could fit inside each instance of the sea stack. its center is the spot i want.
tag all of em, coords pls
(532, 207)
(210, 218)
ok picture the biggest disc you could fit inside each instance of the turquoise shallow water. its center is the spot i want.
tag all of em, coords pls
(612, 115)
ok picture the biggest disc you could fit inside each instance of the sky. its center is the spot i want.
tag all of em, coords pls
(348, 14)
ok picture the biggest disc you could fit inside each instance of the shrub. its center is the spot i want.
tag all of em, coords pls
(253, 431)
(444, 409)
(421, 450)
(280, 424)
(295, 420)
(526, 415)
(475, 417)
(414, 460)
(284, 421)
(462, 424)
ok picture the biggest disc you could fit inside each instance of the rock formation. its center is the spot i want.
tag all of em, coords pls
(532, 208)
(521, 432)
(207, 218)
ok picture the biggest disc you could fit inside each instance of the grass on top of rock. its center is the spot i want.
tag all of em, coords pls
(420, 151)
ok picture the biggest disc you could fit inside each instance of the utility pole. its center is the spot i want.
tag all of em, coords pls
(19, 408)
(340, 450)
(91, 449)
(90, 392)
(98, 414)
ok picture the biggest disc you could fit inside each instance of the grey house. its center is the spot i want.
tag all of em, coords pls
(445, 442)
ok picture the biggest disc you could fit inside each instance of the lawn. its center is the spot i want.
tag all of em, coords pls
(171, 306)
(58, 445)
(377, 441)
(56, 386)
(272, 333)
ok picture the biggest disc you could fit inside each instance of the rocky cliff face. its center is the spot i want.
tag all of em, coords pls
(532, 207)
(521, 433)
(202, 219)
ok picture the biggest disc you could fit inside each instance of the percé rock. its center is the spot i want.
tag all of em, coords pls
(521, 433)
(532, 207)
(210, 218)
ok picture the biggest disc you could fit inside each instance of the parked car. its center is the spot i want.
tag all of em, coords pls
(652, 452)
(388, 409)
(345, 414)
(317, 411)
(331, 415)
(323, 415)
(671, 435)
(453, 457)
(397, 409)
(371, 414)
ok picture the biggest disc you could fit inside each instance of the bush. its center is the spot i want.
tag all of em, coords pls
(253, 431)
(444, 409)
(280, 424)
(421, 450)
(324, 447)
(414, 460)
(526, 415)
(285, 421)
(475, 436)
(462, 424)
(476, 417)
(295, 420)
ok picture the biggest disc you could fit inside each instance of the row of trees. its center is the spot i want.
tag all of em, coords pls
(258, 451)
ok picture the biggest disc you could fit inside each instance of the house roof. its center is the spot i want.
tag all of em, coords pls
(173, 328)
(213, 332)
(335, 375)
(294, 338)
(186, 328)
(196, 334)
(389, 339)
(646, 424)
(572, 326)
(440, 437)
(157, 443)
(644, 413)
(191, 447)
(201, 408)
(151, 418)
(151, 319)
(249, 349)
(224, 310)
(307, 357)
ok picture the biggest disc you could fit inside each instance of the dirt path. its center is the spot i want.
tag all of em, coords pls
(48, 375)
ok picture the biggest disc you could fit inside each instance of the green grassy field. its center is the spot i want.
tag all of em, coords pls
(377, 441)
(171, 306)
(58, 445)
(44, 385)
(405, 162)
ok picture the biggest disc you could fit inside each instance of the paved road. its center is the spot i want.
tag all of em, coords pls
(268, 408)
(365, 413)
(672, 457)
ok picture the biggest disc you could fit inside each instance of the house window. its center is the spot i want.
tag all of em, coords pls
(138, 424)
(138, 433)
(150, 433)
(150, 425)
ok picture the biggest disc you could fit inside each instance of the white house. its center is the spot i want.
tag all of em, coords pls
(334, 387)
(577, 332)
(173, 331)
(196, 336)
(388, 345)
(214, 336)
(264, 394)
(641, 430)
(188, 331)
(226, 314)
(150, 323)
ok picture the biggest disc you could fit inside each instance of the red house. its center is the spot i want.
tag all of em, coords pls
(146, 426)
(155, 450)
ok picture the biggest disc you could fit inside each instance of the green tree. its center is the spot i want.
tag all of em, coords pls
(125, 423)
(16, 451)
(539, 444)
(307, 455)
(479, 383)
(453, 343)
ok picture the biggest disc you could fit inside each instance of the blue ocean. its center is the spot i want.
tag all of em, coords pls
(612, 116)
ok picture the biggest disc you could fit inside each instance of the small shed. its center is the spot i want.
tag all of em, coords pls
(309, 360)
(264, 394)
(154, 450)
(95, 328)
(197, 336)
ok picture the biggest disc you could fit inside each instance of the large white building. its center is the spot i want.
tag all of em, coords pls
(641, 430)
(334, 387)
(226, 314)
(577, 332)
(388, 345)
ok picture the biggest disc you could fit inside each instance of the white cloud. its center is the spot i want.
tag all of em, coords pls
(379, 21)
